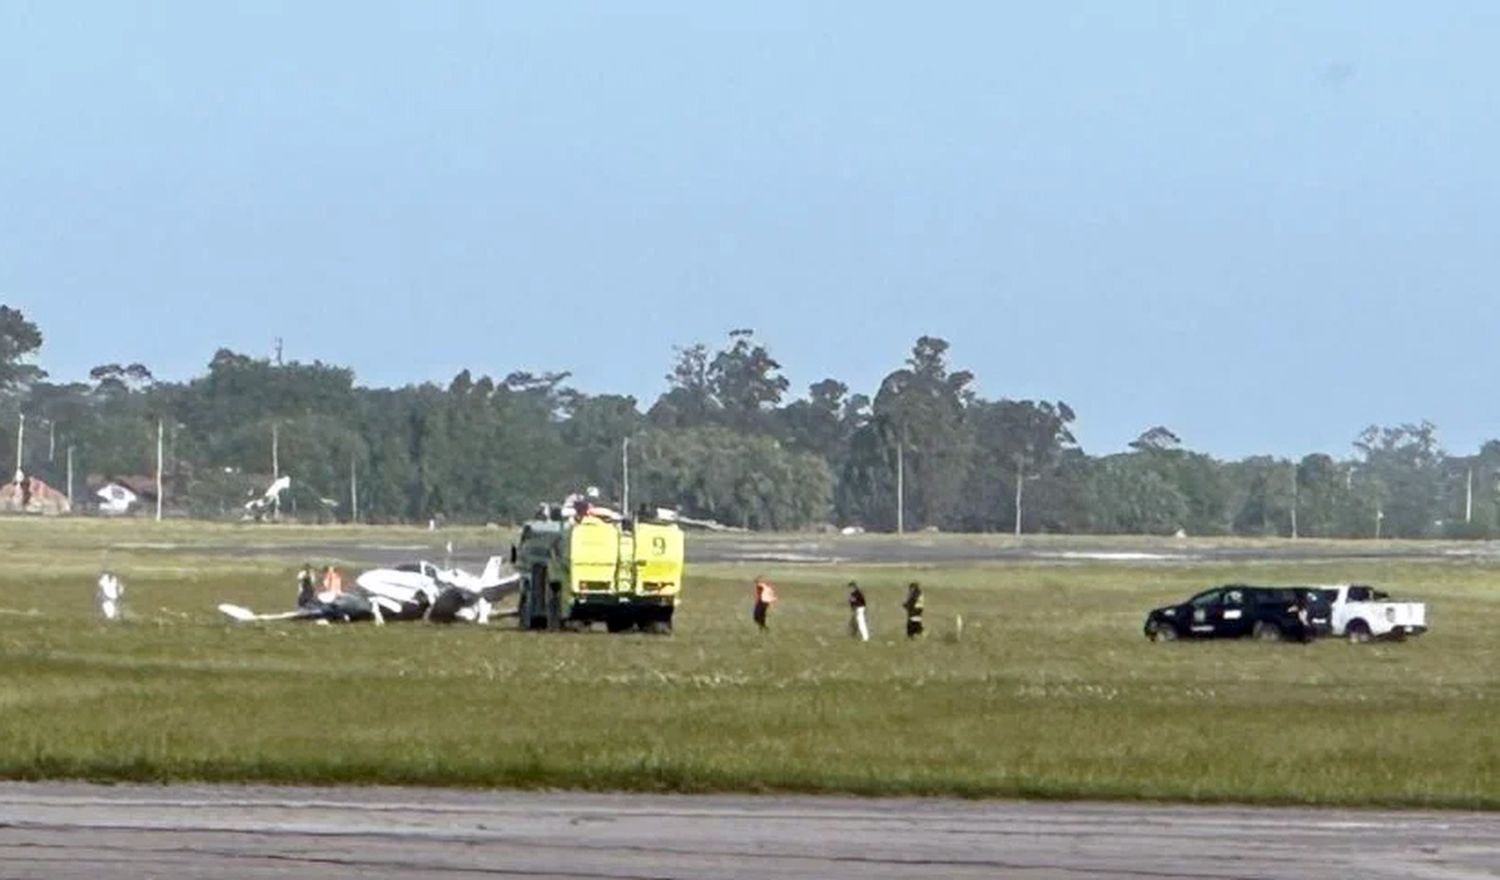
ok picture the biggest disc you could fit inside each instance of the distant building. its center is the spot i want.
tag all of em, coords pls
(115, 499)
(26, 494)
(121, 495)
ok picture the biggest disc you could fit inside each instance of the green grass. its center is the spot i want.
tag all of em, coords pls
(1052, 692)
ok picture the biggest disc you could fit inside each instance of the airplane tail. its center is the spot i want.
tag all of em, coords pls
(492, 570)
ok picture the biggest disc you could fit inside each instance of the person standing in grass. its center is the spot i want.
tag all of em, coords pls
(333, 581)
(765, 597)
(913, 606)
(307, 586)
(109, 594)
(859, 627)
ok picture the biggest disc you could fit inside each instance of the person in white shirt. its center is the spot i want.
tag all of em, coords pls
(109, 594)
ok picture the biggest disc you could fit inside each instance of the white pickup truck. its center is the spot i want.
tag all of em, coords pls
(1363, 613)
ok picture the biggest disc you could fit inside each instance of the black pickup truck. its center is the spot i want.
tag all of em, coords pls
(1238, 610)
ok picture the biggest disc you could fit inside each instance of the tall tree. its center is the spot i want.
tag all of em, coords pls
(594, 430)
(746, 381)
(19, 340)
(1015, 442)
(1129, 495)
(917, 428)
(1263, 495)
(1402, 465)
(689, 399)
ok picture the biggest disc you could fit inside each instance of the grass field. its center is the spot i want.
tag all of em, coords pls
(1052, 691)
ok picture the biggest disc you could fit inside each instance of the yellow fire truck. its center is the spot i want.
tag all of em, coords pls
(593, 568)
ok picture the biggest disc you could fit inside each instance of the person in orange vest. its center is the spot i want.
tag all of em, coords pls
(765, 597)
(333, 582)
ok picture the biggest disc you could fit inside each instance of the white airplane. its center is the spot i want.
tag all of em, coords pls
(257, 508)
(414, 591)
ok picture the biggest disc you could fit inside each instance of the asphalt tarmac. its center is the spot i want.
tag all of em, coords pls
(74, 830)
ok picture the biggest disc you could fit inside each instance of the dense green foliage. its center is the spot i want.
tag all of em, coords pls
(724, 441)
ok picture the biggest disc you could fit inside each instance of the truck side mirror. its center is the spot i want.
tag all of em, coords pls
(513, 554)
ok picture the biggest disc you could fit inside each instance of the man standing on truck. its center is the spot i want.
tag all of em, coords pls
(913, 606)
(765, 597)
(858, 626)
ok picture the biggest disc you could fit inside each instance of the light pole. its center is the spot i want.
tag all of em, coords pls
(276, 467)
(1469, 498)
(625, 476)
(901, 483)
(20, 444)
(159, 434)
(353, 488)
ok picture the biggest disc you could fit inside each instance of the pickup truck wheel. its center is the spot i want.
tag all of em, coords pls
(1266, 632)
(1358, 632)
(1160, 633)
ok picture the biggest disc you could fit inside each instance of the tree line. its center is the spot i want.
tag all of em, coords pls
(727, 440)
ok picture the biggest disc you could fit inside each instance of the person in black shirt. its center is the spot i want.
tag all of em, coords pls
(307, 587)
(859, 627)
(913, 606)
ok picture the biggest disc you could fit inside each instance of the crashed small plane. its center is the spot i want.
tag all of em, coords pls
(415, 591)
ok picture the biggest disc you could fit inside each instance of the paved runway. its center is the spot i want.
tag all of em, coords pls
(81, 831)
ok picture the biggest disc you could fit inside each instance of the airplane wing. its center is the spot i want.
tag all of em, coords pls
(402, 586)
(344, 607)
(245, 615)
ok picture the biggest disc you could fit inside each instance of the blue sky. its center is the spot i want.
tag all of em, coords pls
(1264, 225)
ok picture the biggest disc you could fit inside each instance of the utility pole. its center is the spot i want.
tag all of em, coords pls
(20, 444)
(353, 489)
(158, 469)
(70, 476)
(276, 457)
(1469, 498)
(1379, 515)
(625, 472)
(901, 483)
(51, 441)
(278, 351)
(1020, 481)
